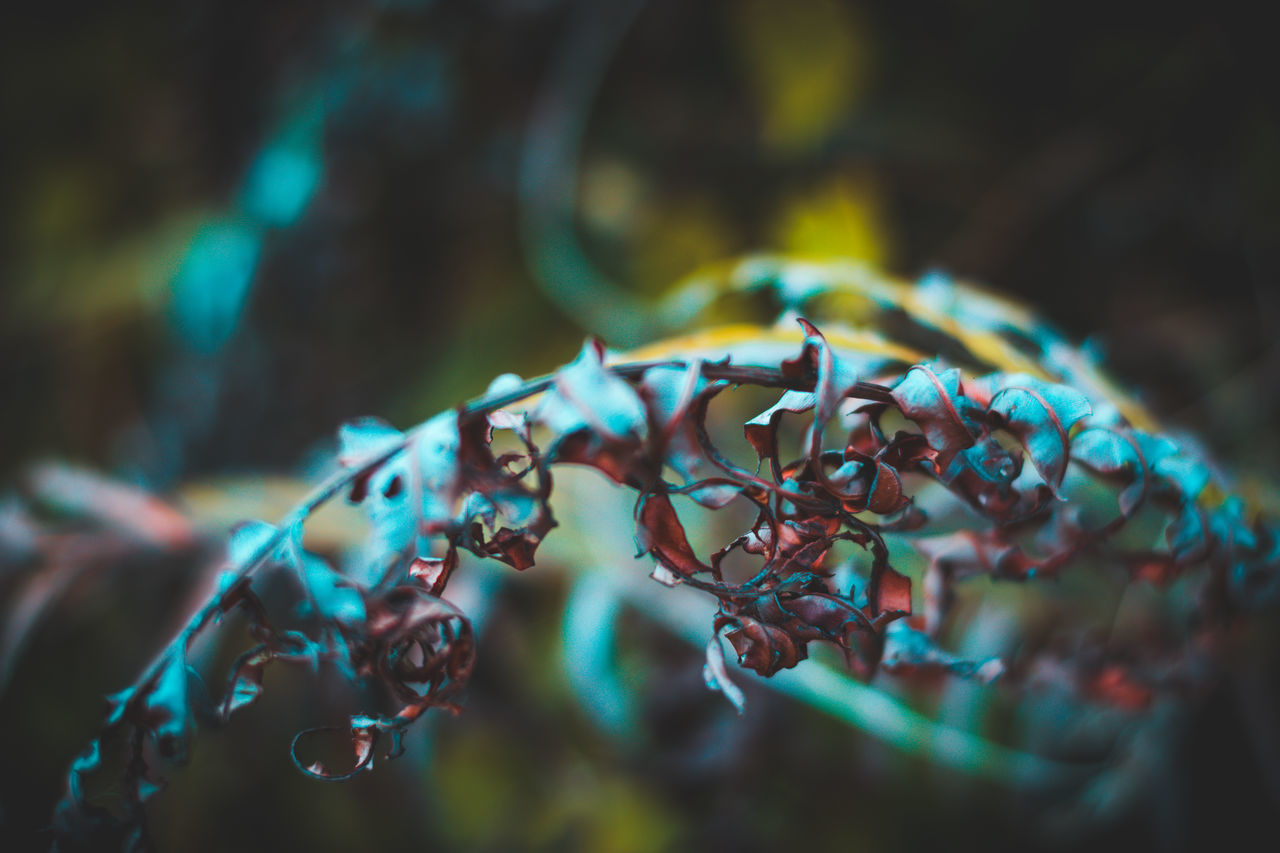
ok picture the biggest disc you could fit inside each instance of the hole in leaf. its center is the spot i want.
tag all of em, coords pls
(739, 567)
(394, 487)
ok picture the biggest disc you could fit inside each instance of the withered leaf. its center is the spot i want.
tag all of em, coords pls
(363, 738)
(1040, 414)
(1113, 453)
(930, 399)
(660, 533)
(762, 430)
(669, 395)
(434, 572)
(908, 650)
(889, 594)
(597, 418)
(764, 648)
(328, 594)
(500, 493)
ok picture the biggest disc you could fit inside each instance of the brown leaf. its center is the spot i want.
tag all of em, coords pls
(660, 533)
(889, 594)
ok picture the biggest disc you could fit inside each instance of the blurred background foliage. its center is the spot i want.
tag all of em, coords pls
(228, 226)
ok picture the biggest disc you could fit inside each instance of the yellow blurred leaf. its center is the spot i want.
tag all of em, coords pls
(807, 61)
(841, 217)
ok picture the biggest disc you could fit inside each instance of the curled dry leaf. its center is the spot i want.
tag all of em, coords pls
(1041, 415)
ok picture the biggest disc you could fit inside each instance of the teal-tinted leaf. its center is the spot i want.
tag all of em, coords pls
(1041, 414)
(1069, 404)
(435, 448)
(335, 598)
(669, 393)
(381, 493)
(144, 789)
(986, 460)
(1103, 451)
(586, 395)
(1230, 526)
(1189, 476)
(930, 399)
(502, 385)
(762, 430)
(1187, 535)
(716, 676)
(332, 596)
(212, 284)
(1115, 452)
(1155, 448)
(597, 418)
(907, 650)
(416, 490)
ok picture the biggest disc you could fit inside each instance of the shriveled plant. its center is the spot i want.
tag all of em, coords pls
(911, 478)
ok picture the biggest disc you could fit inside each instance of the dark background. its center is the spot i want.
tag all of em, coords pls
(1115, 165)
